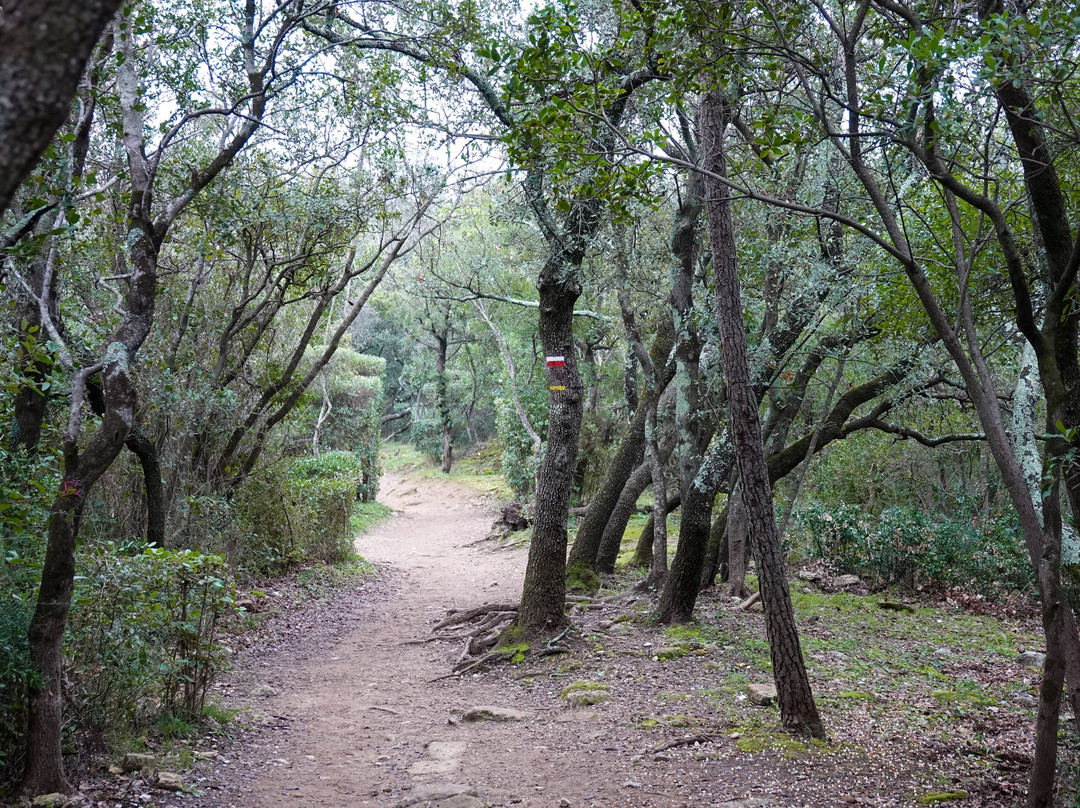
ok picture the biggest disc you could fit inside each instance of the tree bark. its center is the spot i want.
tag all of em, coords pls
(645, 546)
(615, 529)
(44, 47)
(717, 552)
(544, 592)
(611, 540)
(798, 712)
(442, 387)
(738, 545)
(44, 762)
(83, 468)
(626, 459)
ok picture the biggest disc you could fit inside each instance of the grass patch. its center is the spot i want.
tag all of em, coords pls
(478, 470)
(367, 515)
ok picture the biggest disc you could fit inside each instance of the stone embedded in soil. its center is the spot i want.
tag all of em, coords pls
(761, 694)
(170, 781)
(460, 801)
(493, 714)
(433, 792)
(441, 757)
(1027, 700)
(577, 715)
(133, 761)
(49, 800)
(750, 802)
(586, 698)
(1032, 659)
(264, 691)
(844, 581)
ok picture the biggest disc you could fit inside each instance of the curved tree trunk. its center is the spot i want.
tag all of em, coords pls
(737, 545)
(623, 463)
(643, 550)
(44, 762)
(680, 593)
(717, 552)
(144, 449)
(615, 529)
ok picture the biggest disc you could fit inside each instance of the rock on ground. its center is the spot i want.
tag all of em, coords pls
(435, 792)
(49, 800)
(761, 694)
(486, 713)
(134, 761)
(1032, 659)
(460, 801)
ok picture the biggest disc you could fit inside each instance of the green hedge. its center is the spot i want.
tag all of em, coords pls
(299, 511)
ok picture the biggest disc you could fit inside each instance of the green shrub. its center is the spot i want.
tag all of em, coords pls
(517, 464)
(905, 545)
(299, 511)
(425, 434)
(27, 483)
(143, 634)
(16, 679)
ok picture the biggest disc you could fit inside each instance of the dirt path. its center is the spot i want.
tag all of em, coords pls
(347, 713)
(348, 721)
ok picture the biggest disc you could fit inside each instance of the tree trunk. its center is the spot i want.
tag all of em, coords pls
(44, 47)
(544, 592)
(614, 530)
(442, 387)
(717, 552)
(680, 594)
(798, 711)
(643, 549)
(623, 463)
(44, 762)
(659, 567)
(144, 449)
(737, 545)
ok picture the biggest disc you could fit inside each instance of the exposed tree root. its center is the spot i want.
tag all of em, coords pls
(481, 628)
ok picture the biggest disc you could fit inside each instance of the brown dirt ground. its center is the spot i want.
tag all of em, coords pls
(343, 706)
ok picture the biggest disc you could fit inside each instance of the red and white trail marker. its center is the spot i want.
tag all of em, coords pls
(556, 361)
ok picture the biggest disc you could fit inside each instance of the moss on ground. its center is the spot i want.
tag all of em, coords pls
(938, 797)
(582, 578)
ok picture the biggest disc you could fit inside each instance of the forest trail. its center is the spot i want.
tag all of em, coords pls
(348, 712)
(354, 717)
(350, 716)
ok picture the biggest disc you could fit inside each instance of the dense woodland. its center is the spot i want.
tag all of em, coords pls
(803, 274)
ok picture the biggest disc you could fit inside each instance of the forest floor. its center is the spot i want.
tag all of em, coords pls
(342, 709)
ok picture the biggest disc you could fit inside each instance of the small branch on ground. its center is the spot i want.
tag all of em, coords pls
(750, 601)
(686, 741)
